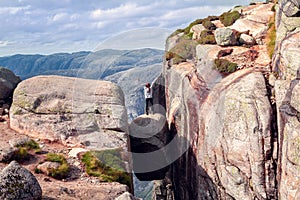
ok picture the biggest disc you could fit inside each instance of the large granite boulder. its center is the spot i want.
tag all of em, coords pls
(8, 82)
(17, 182)
(72, 111)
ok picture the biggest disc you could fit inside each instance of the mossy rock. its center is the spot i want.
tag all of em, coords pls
(207, 37)
(183, 50)
(188, 28)
(63, 170)
(208, 24)
(228, 18)
(225, 66)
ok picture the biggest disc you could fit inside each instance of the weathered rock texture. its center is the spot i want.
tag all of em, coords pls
(227, 120)
(286, 64)
(73, 111)
(8, 82)
(17, 182)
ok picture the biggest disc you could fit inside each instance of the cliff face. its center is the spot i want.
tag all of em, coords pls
(242, 128)
(287, 91)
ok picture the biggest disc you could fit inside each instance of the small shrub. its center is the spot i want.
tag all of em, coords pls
(225, 66)
(190, 35)
(21, 154)
(176, 32)
(188, 28)
(212, 18)
(63, 169)
(207, 37)
(31, 145)
(208, 24)
(273, 8)
(237, 6)
(107, 165)
(271, 37)
(228, 18)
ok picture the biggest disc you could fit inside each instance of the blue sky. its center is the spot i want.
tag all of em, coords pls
(45, 27)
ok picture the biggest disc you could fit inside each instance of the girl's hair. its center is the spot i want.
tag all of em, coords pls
(147, 84)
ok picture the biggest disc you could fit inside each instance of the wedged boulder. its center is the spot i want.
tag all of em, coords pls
(17, 182)
(225, 37)
(8, 82)
(73, 111)
(148, 136)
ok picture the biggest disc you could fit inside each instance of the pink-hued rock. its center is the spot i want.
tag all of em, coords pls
(287, 89)
(196, 30)
(227, 121)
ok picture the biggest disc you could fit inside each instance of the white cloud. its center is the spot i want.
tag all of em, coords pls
(61, 25)
(3, 43)
(12, 10)
(59, 17)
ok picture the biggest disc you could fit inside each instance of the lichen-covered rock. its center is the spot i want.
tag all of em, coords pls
(246, 39)
(47, 167)
(287, 89)
(7, 153)
(73, 111)
(17, 182)
(225, 37)
(8, 82)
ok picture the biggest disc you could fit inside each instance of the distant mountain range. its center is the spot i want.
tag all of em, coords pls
(130, 69)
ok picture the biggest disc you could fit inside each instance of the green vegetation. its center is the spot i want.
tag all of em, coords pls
(208, 24)
(225, 66)
(62, 171)
(271, 37)
(107, 165)
(188, 28)
(207, 37)
(228, 18)
(21, 154)
(184, 49)
(30, 145)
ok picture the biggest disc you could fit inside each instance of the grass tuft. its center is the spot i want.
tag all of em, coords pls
(228, 18)
(107, 165)
(62, 171)
(225, 66)
(271, 37)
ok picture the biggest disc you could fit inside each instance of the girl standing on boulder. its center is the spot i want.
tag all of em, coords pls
(148, 97)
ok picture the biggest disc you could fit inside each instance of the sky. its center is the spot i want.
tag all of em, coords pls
(53, 26)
